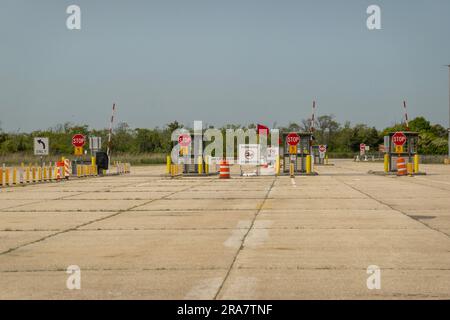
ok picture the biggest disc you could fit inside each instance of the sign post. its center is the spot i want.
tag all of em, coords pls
(322, 151)
(184, 140)
(41, 147)
(95, 144)
(362, 149)
(399, 140)
(78, 142)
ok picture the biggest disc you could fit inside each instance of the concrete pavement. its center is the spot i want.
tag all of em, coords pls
(144, 236)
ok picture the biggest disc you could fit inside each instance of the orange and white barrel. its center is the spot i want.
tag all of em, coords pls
(224, 172)
(401, 166)
(66, 168)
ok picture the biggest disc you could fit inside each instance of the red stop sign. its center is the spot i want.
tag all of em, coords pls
(184, 140)
(399, 138)
(293, 139)
(78, 140)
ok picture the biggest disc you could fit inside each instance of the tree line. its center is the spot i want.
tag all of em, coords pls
(340, 138)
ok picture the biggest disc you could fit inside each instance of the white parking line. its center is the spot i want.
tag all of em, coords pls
(237, 235)
(206, 289)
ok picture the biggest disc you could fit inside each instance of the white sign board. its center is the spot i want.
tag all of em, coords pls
(95, 143)
(272, 153)
(41, 146)
(249, 154)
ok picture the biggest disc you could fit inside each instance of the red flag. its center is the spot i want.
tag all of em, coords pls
(262, 129)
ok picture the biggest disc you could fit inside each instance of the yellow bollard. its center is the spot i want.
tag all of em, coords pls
(27, 175)
(50, 171)
(7, 177)
(40, 174)
(14, 175)
(45, 174)
(1, 177)
(33, 174)
(207, 165)
(386, 163)
(416, 163)
(168, 165)
(308, 164)
(200, 165)
(277, 166)
(409, 168)
(326, 159)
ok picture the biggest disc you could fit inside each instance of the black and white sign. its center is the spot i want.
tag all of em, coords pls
(95, 143)
(41, 146)
(249, 154)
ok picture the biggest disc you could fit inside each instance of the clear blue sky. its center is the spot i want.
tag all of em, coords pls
(221, 61)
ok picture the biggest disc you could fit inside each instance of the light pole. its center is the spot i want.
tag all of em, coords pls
(448, 111)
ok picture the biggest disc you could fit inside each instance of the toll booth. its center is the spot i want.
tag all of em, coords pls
(319, 155)
(188, 155)
(296, 154)
(408, 150)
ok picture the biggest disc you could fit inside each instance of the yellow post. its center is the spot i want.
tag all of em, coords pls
(1, 177)
(14, 175)
(45, 173)
(386, 163)
(33, 174)
(50, 171)
(207, 165)
(7, 177)
(308, 164)
(27, 175)
(277, 166)
(78, 170)
(169, 165)
(416, 163)
(200, 165)
(291, 169)
(326, 159)
(56, 171)
(409, 168)
(40, 174)
(93, 161)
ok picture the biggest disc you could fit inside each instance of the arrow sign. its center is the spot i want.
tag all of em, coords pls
(41, 143)
(41, 146)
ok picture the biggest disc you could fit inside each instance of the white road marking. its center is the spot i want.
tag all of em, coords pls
(205, 290)
(259, 234)
(241, 288)
(237, 235)
(293, 182)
